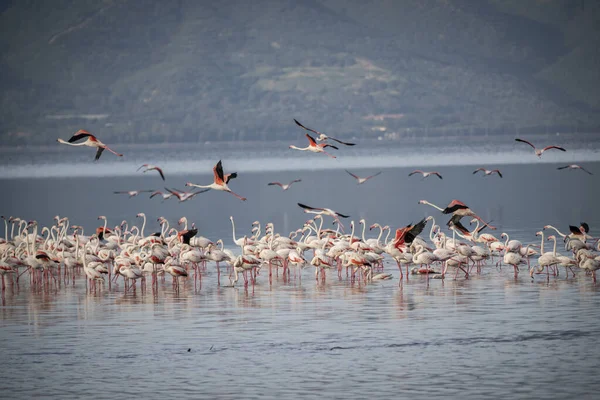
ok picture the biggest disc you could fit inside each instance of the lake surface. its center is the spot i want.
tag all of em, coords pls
(489, 336)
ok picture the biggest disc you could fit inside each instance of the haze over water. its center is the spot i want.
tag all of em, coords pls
(489, 336)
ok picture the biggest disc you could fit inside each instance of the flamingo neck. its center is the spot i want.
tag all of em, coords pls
(542, 245)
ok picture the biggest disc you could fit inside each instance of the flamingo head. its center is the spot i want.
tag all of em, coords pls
(538, 233)
(140, 215)
(373, 226)
(551, 237)
(423, 202)
(101, 217)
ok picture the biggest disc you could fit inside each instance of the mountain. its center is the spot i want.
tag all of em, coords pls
(175, 71)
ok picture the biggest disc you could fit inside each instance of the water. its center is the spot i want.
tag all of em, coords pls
(491, 336)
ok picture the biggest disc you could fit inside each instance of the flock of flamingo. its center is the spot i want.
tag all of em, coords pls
(61, 252)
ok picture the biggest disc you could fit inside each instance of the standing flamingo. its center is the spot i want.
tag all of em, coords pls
(537, 151)
(220, 181)
(322, 136)
(91, 141)
(360, 180)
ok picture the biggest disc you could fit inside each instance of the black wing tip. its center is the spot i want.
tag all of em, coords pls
(343, 216)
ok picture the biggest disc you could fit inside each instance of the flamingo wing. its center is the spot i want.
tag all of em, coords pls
(156, 193)
(453, 206)
(585, 227)
(341, 215)
(230, 176)
(525, 141)
(160, 171)
(414, 230)
(98, 153)
(142, 166)
(354, 176)
(218, 172)
(583, 169)
(437, 174)
(310, 208)
(566, 166)
(553, 147)
(295, 180)
(176, 194)
(416, 171)
(80, 134)
(198, 192)
(498, 172)
(311, 140)
(574, 230)
(308, 129)
(373, 176)
(339, 141)
(275, 183)
(479, 169)
(323, 145)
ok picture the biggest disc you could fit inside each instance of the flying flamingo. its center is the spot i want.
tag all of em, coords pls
(91, 141)
(324, 211)
(132, 193)
(575, 166)
(362, 180)
(165, 196)
(488, 172)
(284, 186)
(184, 196)
(150, 167)
(322, 136)
(539, 152)
(220, 181)
(425, 174)
(459, 208)
(314, 147)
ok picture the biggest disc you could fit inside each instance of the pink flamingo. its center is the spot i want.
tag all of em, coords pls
(575, 166)
(150, 167)
(322, 136)
(91, 141)
(539, 152)
(284, 186)
(425, 174)
(220, 181)
(488, 172)
(360, 180)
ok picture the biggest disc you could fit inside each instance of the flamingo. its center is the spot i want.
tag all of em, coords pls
(91, 141)
(488, 172)
(539, 152)
(575, 166)
(150, 167)
(425, 174)
(314, 147)
(165, 196)
(184, 196)
(360, 180)
(284, 186)
(133, 193)
(322, 136)
(324, 211)
(220, 181)
(459, 208)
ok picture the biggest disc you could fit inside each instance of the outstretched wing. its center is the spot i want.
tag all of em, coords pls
(583, 169)
(176, 194)
(295, 180)
(275, 183)
(373, 176)
(311, 140)
(330, 145)
(155, 193)
(414, 231)
(341, 215)
(98, 153)
(310, 208)
(416, 171)
(438, 175)
(525, 141)
(230, 176)
(574, 230)
(80, 134)
(354, 176)
(218, 172)
(453, 206)
(339, 141)
(498, 172)
(566, 166)
(553, 147)
(478, 169)
(308, 129)
(160, 172)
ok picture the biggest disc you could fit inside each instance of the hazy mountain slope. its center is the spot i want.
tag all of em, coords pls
(188, 70)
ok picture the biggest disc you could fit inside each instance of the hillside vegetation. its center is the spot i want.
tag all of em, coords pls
(185, 70)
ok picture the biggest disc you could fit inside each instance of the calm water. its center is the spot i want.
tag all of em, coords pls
(490, 336)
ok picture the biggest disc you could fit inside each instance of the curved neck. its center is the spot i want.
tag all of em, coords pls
(542, 245)
(233, 232)
(380, 234)
(104, 230)
(506, 241)
(144, 225)
(363, 231)
(387, 237)
(431, 231)
(554, 249)
(475, 233)
(433, 205)
(557, 231)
